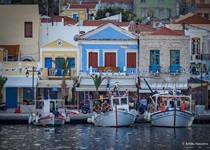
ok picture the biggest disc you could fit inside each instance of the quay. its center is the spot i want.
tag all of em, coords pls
(10, 116)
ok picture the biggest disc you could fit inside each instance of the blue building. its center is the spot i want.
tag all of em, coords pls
(111, 51)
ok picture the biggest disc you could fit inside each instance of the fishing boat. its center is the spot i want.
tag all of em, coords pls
(46, 117)
(171, 109)
(115, 113)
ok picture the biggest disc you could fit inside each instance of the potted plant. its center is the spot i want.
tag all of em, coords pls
(27, 101)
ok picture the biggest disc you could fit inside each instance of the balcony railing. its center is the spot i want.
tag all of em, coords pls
(205, 56)
(59, 72)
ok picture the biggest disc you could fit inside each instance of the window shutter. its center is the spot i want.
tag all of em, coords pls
(198, 45)
(192, 46)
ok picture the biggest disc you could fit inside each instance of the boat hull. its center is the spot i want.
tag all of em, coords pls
(114, 119)
(172, 118)
(48, 121)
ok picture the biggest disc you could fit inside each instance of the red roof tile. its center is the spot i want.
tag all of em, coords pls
(89, 3)
(67, 20)
(117, 1)
(142, 27)
(195, 19)
(82, 6)
(100, 22)
(167, 32)
(203, 5)
(146, 28)
(96, 22)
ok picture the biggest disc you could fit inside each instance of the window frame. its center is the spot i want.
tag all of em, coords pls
(143, 13)
(75, 13)
(28, 29)
(161, 12)
(160, 2)
(169, 12)
(206, 15)
(195, 46)
(142, 1)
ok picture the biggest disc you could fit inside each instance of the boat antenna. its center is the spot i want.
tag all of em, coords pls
(150, 87)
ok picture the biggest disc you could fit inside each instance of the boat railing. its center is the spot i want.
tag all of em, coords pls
(59, 103)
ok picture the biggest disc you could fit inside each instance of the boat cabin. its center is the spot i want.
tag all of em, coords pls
(49, 106)
(120, 102)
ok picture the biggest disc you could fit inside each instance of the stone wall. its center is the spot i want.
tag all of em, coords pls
(27, 109)
(164, 44)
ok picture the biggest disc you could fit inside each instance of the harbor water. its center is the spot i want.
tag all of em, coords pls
(140, 136)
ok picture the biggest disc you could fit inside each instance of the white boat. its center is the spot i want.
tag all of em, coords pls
(118, 114)
(172, 116)
(46, 117)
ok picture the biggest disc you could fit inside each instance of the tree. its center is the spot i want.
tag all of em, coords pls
(126, 15)
(3, 80)
(97, 82)
(64, 65)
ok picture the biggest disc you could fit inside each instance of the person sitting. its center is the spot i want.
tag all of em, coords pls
(56, 113)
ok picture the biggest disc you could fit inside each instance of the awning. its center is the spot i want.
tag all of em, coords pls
(167, 83)
(124, 82)
(20, 82)
(159, 91)
(53, 83)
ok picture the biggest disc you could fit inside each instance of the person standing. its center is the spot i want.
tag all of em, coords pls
(56, 113)
(183, 106)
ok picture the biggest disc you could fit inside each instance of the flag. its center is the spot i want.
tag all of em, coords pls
(20, 70)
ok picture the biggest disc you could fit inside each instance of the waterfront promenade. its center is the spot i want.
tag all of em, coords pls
(11, 116)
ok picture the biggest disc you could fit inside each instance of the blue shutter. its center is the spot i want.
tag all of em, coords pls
(175, 61)
(48, 62)
(154, 60)
(72, 62)
(75, 16)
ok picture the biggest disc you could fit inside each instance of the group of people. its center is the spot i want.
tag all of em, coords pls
(145, 106)
(163, 106)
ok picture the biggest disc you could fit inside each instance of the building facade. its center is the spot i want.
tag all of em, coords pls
(19, 47)
(157, 9)
(199, 7)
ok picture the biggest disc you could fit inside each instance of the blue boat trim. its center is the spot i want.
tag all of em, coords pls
(173, 110)
(173, 115)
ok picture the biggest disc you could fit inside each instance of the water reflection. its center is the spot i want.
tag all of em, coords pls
(89, 137)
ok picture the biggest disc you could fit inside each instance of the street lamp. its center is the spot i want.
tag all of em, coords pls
(138, 43)
(201, 80)
(33, 88)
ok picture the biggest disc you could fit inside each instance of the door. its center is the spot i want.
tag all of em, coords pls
(110, 59)
(174, 61)
(11, 97)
